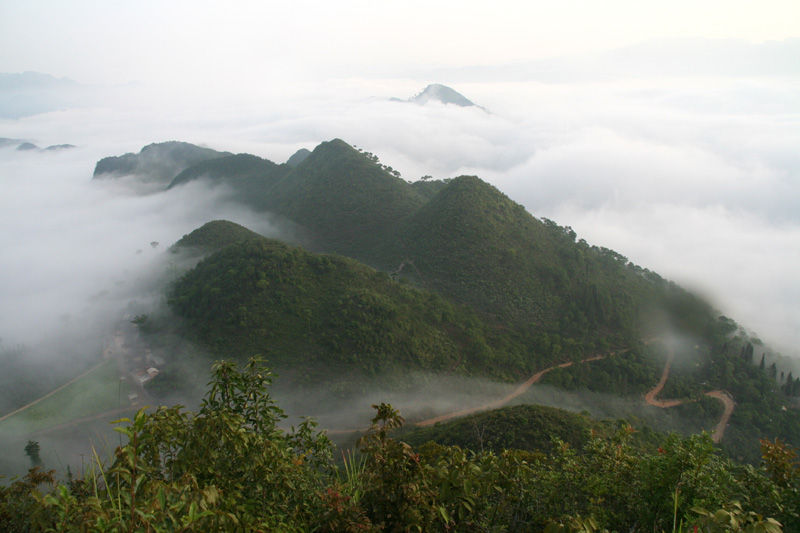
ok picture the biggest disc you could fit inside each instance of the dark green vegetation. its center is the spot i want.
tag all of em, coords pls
(462, 239)
(298, 157)
(467, 282)
(325, 313)
(213, 236)
(531, 428)
(253, 476)
(250, 176)
(158, 162)
(447, 278)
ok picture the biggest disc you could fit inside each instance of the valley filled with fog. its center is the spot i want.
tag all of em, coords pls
(694, 177)
(551, 251)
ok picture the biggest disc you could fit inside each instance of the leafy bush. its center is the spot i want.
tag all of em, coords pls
(229, 466)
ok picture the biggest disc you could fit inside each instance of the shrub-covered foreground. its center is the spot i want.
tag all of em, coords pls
(230, 467)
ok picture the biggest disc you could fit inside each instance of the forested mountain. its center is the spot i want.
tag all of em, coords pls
(323, 314)
(298, 157)
(490, 290)
(157, 162)
(385, 278)
(213, 236)
(460, 238)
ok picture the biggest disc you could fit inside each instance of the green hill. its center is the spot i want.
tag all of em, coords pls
(323, 314)
(499, 293)
(213, 236)
(342, 200)
(251, 178)
(477, 246)
(473, 243)
(521, 427)
(465, 240)
(157, 162)
(462, 238)
(298, 157)
(532, 428)
(345, 200)
(538, 292)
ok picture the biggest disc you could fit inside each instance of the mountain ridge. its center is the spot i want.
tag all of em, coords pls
(503, 294)
(155, 163)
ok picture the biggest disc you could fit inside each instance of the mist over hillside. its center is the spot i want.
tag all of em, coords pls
(635, 165)
(688, 176)
(535, 239)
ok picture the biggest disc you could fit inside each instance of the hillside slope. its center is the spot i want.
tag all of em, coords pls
(213, 236)
(323, 314)
(157, 162)
(498, 293)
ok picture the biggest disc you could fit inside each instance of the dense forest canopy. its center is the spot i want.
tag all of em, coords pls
(380, 279)
(229, 466)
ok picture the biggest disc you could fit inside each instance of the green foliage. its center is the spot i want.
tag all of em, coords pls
(213, 236)
(262, 296)
(531, 428)
(628, 373)
(229, 466)
(250, 178)
(783, 468)
(732, 518)
(21, 506)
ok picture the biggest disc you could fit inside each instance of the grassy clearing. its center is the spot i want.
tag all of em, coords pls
(99, 391)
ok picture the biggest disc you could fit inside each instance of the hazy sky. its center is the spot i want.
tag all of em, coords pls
(691, 172)
(244, 42)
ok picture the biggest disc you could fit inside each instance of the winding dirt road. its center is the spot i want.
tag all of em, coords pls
(720, 395)
(726, 399)
(650, 397)
(484, 407)
(504, 400)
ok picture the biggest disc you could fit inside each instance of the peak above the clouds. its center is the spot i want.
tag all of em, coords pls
(441, 93)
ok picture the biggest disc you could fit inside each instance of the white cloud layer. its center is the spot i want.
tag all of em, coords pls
(697, 178)
(79, 252)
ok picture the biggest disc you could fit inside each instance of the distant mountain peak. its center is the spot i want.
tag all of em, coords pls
(298, 157)
(156, 163)
(441, 93)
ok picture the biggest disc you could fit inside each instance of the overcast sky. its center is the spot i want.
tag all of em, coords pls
(664, 152)
(243, 42)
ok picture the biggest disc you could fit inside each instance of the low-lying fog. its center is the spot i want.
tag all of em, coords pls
(694, 177)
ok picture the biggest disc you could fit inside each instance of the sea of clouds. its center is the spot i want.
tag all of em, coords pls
(694, 177)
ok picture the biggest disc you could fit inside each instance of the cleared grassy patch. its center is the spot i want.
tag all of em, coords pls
(99, 391)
